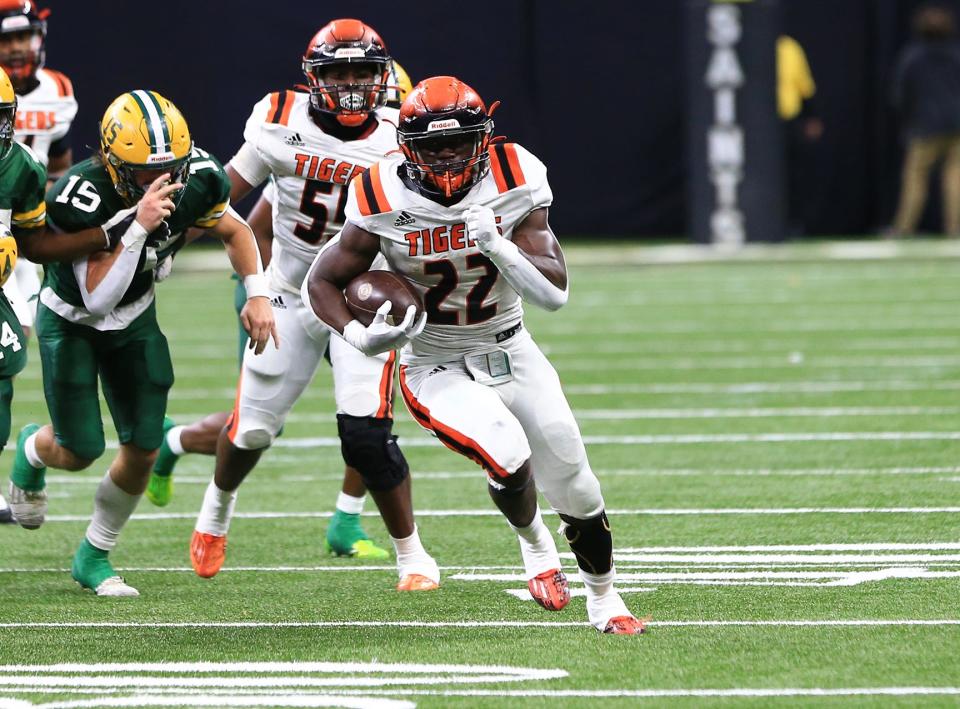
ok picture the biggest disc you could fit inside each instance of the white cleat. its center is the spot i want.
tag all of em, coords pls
(115, 586)
(29, 507)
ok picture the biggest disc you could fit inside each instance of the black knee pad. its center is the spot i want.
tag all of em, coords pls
(590, 541)
(368, 445)
(512, 485)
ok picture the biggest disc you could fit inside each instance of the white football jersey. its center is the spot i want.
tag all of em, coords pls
(44, 115)
(467, 300)
(311, 171)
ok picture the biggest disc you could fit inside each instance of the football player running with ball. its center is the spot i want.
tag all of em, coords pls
(313, 143)
(97, 316)
(475, 242)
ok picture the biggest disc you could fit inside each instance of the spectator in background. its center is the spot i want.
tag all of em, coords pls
(926, 94)
(802, 124)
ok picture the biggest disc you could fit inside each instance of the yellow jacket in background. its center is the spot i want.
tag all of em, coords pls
(794, 80)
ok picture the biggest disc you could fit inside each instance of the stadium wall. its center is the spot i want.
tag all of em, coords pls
(595, 89)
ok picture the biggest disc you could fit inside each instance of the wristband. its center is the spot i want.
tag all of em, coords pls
(134, 237)
(256, 286)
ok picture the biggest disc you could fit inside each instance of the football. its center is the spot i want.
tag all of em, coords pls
(370, 290)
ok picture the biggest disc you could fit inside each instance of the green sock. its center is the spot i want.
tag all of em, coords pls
(24, 475)
(91, 567)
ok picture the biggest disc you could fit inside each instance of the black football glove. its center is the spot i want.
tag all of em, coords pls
(116, 228)
(158, 235)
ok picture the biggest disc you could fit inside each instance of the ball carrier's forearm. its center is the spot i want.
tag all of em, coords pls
(527, 275)
(532, 263)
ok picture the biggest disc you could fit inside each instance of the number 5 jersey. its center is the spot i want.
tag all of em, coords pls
(311, 169)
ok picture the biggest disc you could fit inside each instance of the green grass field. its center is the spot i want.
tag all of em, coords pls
(779, 445)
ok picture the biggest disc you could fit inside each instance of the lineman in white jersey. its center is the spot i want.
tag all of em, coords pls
(45, 111)
(314, 144)
(466, 222)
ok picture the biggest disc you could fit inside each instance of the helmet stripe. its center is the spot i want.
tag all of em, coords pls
(163, 123)
(155, 125)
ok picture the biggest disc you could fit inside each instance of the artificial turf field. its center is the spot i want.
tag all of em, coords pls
(779, 445)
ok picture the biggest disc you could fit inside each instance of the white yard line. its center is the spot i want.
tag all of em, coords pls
(764, 412)
(803, 387)
(680, 511)
(211, 698)
(187, 479)
(796, 360)
(364, 697)
(853, 623)
(653, 693)
(865, 546)
(418, 441)
(690, 413)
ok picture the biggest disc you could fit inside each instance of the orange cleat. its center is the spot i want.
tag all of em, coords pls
(416, 582)
(207, 553)
(550, 589)
(625, 625)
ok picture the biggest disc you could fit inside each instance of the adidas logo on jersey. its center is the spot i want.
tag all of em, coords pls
(404, 219)
(277, 302)
(294, 140)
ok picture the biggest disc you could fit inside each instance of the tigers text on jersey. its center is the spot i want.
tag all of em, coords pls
(85, 197)
(311, 169)
(467, 301)
(44, 115)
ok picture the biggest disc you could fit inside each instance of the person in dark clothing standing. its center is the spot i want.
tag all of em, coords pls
(926, 93)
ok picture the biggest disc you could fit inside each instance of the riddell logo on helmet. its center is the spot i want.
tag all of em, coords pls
(349, 53)
(15, 23)
(162, 157)
(443, 125)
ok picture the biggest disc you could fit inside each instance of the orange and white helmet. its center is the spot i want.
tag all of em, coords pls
(440, 112)
(347, 41)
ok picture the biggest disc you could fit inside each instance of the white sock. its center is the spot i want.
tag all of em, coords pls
(30, 451)
(173, 440)
(350, 504)
(537, 547)
(412, 558)
(603, 601)
(112, 508)
(216, 511)
(3, 503)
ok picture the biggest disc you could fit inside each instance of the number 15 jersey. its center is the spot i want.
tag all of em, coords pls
(467, 301)
(312, 170)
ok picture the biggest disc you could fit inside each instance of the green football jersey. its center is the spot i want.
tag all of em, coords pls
(23, 181)
(84, 197)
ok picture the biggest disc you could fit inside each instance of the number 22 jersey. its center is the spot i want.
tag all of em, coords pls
(467, 301)
(312, 170)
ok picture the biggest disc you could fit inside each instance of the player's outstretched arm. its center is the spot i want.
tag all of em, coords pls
(351, 253)
(105, 277)
(532, 262)
(241, 246)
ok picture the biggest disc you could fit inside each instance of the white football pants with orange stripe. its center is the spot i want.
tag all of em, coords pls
(270, 383)
(500, 427)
